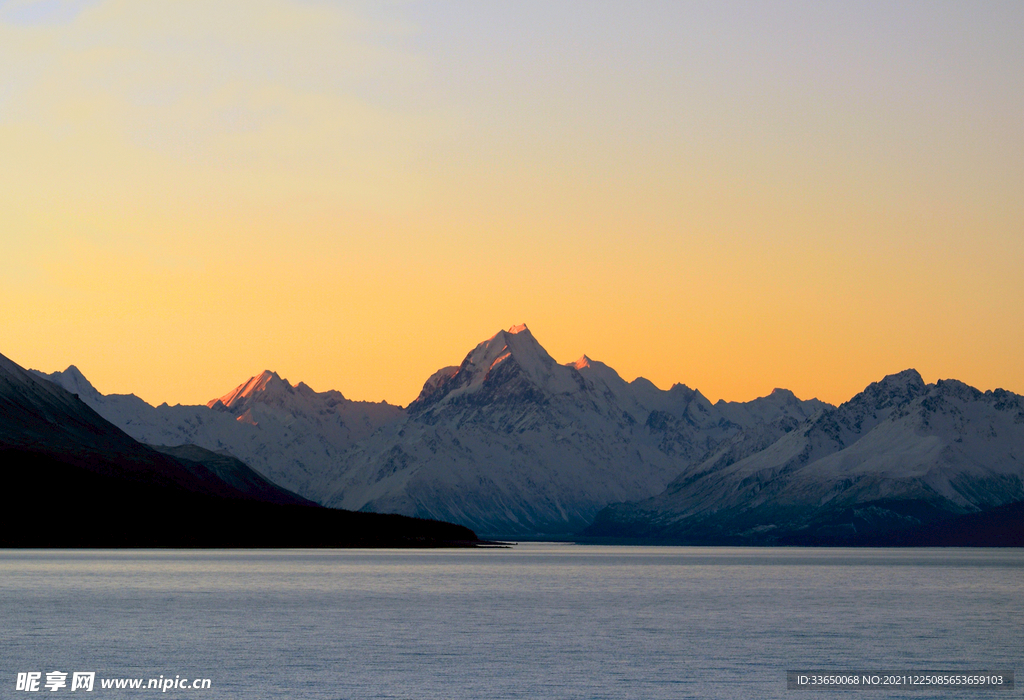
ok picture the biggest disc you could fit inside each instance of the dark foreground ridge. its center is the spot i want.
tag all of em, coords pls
(74, 480)
(53, 502)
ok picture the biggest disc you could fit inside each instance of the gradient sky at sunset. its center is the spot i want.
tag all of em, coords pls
(736, 196)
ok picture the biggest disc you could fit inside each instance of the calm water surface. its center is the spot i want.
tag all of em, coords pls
(535, 621)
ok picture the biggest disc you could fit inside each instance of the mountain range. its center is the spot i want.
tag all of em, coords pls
(898, 457)
(509, 442)
(513, 444)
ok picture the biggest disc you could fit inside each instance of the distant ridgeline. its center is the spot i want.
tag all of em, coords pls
(901, 463)
(512, 444)
(75, 480)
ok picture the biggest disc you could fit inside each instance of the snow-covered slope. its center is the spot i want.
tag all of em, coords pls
(898, 454)
(290, 434)
(512, 443)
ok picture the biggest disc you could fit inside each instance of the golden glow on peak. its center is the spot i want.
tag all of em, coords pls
(247, 389)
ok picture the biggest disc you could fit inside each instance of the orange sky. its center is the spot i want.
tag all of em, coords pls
(737, 197)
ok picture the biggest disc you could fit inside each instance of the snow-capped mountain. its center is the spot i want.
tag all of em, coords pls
(512, 443)
(509, 442)
(899, 454)
(290, 434)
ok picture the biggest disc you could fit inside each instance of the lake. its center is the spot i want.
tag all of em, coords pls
(533, 621)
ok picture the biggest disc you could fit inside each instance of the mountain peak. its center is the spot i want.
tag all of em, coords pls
(71, 380)
(908, 382)
(266, 377)
(262, 382)
(584, 361)
(76, 379)
(512, 355)
(907, 376)
(893, 390)
(517, 343)
(783, 396)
